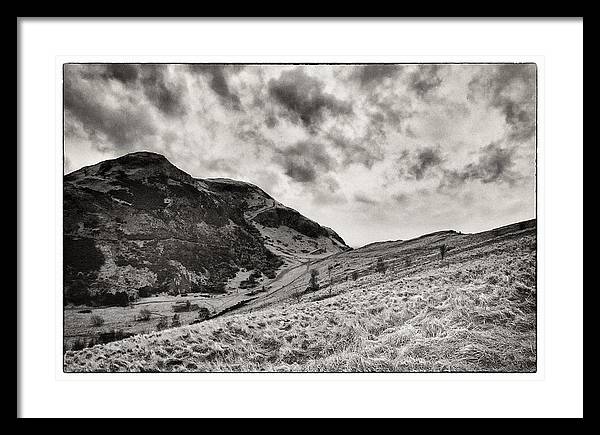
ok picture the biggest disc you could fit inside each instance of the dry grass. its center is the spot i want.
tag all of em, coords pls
(476, 313)
(141, 317)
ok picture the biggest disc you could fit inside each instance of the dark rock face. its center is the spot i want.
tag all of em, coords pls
(137, 225)
(276, 217)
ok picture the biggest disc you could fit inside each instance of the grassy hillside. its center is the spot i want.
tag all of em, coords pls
(474, 311)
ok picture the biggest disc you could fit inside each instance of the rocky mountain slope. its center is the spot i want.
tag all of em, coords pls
(137, 225)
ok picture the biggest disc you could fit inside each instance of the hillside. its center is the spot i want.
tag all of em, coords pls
(474, 311)
(137, 226)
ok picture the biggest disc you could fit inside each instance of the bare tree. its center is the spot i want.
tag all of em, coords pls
(313, 283)
(443, 250)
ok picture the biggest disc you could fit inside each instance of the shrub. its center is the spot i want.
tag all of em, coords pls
(119, 299)
(96, 320)
(145, 292)
(77, 292)
(144, 315)
(251, 281)
(203, 313)
(381, 266)
(78, 344)
(298, 295)
(162, 324)
(175, 322)
(113, 335)
(355, 275)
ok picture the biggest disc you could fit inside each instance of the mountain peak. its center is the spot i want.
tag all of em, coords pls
(143, 156)
(136, 165)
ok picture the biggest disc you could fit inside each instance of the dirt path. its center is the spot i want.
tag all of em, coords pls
(289, 280)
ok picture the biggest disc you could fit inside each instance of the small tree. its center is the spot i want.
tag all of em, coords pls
(298, 295)
(381, 266)
(175, 322)
(96, 320)
(313, 283)
(144, 315)
(329, 269)
(203, 313)
(162, 323)
(355, 275)
(443, 250)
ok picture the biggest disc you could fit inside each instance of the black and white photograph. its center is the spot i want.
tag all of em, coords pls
(300, 217)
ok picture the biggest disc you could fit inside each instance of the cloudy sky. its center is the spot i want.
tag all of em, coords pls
(376, 152)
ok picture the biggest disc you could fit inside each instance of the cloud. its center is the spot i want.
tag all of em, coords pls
(370, 75)
(271, 121)
(400, 198)
(419, 163)
(425, 79)
(218, 82)
(389, 110)
(364, 199)
(89, 103)
(123, 72)
(426, 158)
(363, 150)
(510, 88)
(494, 165)
(67, 165)
(326, 192)
(304, 161)
(163, 90)
(304, 98)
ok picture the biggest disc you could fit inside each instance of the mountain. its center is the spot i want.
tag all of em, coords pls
(137, 225)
